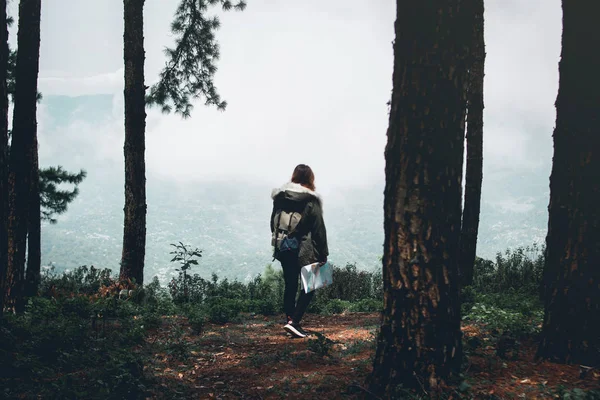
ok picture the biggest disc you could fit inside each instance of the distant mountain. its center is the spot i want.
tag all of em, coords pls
(229, 220)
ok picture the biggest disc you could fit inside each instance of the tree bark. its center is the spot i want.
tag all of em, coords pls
(134, 229)
(22, 152)
(474, 173)
(419, 344)
(571, 328)
(3, 151)
(34, 230)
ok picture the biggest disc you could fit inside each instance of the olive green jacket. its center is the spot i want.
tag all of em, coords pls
(311, 230)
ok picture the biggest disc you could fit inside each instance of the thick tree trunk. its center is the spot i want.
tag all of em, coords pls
(34, 231)
(134, 230)
(571, 329)
(419, 345)
(22, 147)
(3, 151)
(474, 173)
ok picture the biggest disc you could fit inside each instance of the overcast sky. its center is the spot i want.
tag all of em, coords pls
(306, 81)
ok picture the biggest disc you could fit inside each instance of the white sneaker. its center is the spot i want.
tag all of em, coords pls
(295, 330)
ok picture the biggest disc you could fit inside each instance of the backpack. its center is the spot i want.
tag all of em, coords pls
(284, 242)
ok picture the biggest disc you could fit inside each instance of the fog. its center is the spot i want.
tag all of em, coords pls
(305, 82)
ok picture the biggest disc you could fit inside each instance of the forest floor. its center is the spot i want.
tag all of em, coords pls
(255, 359)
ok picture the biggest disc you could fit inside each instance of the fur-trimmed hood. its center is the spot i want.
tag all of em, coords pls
(296, 190)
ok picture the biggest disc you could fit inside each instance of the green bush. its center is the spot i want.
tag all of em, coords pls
(57, 349)
(505, 320)
(577, 394)
(367, 305)
(504, 296)
(78, 306)
(318, 303)
(262, 307)
(336, 306)
(81, 280)
(158, 299)
(151, 319)
(518, 269)
(351, 284)
(197, 320)
(221, 310)
(467, 299)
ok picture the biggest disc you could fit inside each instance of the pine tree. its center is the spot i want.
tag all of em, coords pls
(134, 228)
(571, 328)
(3, 151)
(23, 152)
(419, 344)
(187, 76)
(47, 200)
(34, 227)
(474, 173)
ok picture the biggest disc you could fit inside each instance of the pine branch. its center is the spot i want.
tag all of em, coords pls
(189, 71)
(54, 201)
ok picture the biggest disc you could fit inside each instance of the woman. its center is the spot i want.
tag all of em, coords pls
(299, 196)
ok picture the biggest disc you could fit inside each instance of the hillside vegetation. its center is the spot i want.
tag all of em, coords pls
(87, 337)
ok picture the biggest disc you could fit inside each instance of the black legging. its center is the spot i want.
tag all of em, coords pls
(291, 273)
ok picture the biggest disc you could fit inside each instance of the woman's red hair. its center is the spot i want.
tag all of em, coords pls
(304, 176)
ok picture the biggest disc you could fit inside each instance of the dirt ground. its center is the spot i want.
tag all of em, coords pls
(256, 359)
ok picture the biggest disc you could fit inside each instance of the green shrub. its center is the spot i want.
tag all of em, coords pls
(266, 292)
(467, 299)
(503, 320)
(158, 299)
(351, 284)
(577, 394)
(81, 280)
(222, 310)
(57, 349)
(79, 306)
(42, 309)
(197, 320)
(262, 307)
(518, 269)
(336, 306)
(367, 305)
(151, 319)
(318, 303)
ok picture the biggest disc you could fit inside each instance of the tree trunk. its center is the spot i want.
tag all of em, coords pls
(22, 152)
(34, 231)
(474, 175)
(419, 344)
(134, 230)
(571, 328)
(3, 151)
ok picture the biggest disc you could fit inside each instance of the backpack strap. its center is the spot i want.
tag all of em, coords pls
(276, 233)
(290, 230)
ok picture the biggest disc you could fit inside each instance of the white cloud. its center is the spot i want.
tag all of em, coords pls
(57, 82)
